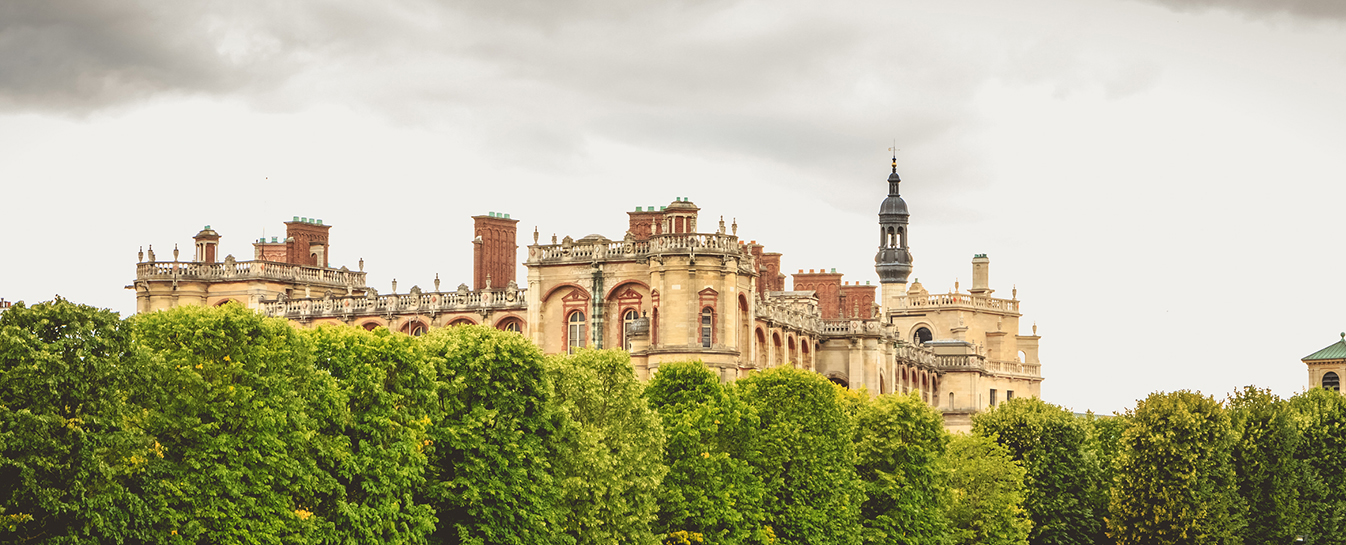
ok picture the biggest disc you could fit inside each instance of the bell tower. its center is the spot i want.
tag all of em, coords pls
(893, 261)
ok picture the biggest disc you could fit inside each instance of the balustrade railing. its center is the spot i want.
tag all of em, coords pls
(678, 243)
(397, 303)
(249, 270)
(966, 300)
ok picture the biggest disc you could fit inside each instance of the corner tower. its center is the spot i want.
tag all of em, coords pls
(893, 261)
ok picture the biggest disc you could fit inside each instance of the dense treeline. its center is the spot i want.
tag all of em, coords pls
(216, 425)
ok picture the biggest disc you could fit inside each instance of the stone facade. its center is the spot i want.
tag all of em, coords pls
(664, 291)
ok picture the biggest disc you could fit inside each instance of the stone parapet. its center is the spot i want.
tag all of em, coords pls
(631, 248)
(415, 302)
(233, 271)
(954, 301)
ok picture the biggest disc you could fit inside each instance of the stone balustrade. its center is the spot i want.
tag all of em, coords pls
(249, 270)
(975, 362)
(788, 315)
(955, 300)
(376, 305)
(679, 243)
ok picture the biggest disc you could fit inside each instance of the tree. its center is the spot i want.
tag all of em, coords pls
(492, 431)
(1050, 444)
(237, 405)
(986, 489)
(899, 441)
(711, 489)
(379, 437)
(1321, 418)
(69, 439)
(1269, 476)
(610, 459)
(1101, 448)
(1175, 480)
(812, 493)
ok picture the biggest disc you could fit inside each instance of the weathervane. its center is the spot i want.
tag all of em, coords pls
(894, 150)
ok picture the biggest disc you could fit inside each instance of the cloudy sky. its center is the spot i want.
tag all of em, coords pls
(1161, 179)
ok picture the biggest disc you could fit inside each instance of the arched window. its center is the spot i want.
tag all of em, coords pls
(370, 326)
(509, 324)
(628, 317)
(575, 331)
(415, 329)
(707, 327)
(922, 336)
(1331, 381)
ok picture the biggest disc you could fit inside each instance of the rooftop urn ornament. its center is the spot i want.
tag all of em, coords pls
(141, 255)
(735, 226)
(721, 232)
(1014, 293)
(362, 264)
(553, 238)
(151, 252)
(488, 281)
(436, 282)
(394, 285)
(175, 252)
(535, 234)
(1035, 330)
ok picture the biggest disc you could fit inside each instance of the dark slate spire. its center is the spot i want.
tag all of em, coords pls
(893, 261)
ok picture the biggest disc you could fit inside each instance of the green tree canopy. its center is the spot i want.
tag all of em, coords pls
(1321, 418)
(899, 441)
(1269, 475)
(68, 432)
(492, 431)
(711, 489)
(379, 438)
(1175, 480)
(237, 406)
(986, 488)
(1051, 444)
(610, 459)
(812, 493)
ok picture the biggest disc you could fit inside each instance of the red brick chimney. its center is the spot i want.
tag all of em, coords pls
(494, 250)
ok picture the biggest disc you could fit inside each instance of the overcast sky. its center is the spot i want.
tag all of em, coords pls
(1162, 180)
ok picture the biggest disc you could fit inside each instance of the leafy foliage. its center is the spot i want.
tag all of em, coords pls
(1321, 418)
(69, 439)
(237, 405)
(711, 491)
(807, 457)
(1175, 479)
(1269, 476)
(1051, 444)
(492, 431)
(899, 441)
(609, 464)
(986, 490)
(379, 435)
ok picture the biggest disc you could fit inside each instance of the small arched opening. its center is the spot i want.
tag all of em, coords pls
(1331, 381)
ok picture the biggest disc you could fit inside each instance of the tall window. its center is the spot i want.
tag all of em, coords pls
(575, 331)
(993, 398)
(1331, 381)
(707, 326)
(1009, 394)
(627, 317)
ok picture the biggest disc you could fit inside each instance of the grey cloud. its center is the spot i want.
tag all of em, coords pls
(1305, 9)
(798, 84)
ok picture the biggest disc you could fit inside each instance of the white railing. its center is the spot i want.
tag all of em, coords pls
(681, 243)
(249, 270)
(965, 300)
(398, 303)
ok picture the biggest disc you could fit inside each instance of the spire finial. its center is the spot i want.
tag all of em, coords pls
(894, 150)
